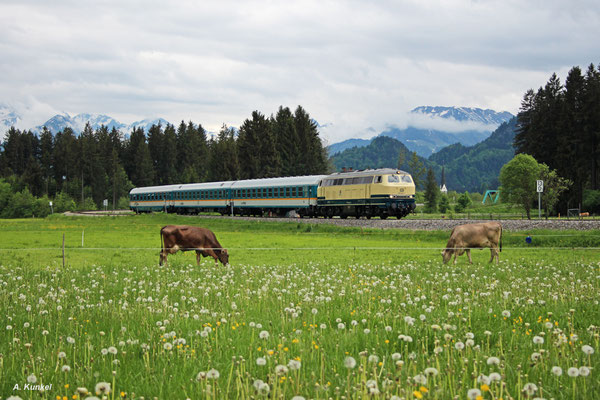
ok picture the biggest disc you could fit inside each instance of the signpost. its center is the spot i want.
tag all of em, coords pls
(51, 208)
(540, 189)
(105, 204)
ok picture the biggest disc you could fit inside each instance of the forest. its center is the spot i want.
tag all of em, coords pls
(95, 165)
(559, 125)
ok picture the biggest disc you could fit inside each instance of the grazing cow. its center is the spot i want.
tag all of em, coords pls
(466, 237)
(185, 238)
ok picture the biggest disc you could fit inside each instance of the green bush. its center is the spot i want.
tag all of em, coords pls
(63, 202)
(444, 205)
(464, 201)
(123, 203)
(591, 201)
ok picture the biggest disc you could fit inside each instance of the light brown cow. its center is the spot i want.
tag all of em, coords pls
(185, 238)
(474, 236)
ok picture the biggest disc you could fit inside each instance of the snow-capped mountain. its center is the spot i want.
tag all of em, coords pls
(8, 117)
(430, 130)
(487, 117)
(78, 122)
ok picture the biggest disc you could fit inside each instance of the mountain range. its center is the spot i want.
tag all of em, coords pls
(477, 124)
(9, 117)
(474, 168)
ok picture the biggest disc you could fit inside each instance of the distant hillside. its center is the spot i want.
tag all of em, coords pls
(473, 168)
(476, 168)
(474, 126)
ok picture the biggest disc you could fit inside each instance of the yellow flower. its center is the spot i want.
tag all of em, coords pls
(480, 397)
(423, 389)
(417, 394)
(386, 341)
(123, 394)
(485, 388)
(67, 386)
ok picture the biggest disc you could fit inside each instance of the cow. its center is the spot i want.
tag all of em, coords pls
(185, 238)
(466, 237)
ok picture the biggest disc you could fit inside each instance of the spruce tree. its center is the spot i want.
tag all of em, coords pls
(432, 193)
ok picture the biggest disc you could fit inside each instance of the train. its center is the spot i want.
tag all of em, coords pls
(365, 193)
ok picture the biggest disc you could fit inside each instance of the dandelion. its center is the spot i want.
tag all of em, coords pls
(65, 368)
(70, 340)
(14, 398)
(168, 346)
(104, 352)
(459, 345)
(584, 371)
(573, 372)
(113, 350)
(373, 359)
(535, 356)
(298, 398)
(260, 361)
(538, 340)
(484, 379)
(506, 314)
(587, 349)
(32, 378)
(263, 335)
(341, 325)
(431, 371)
(366, 331)
(212, 374)
(281, 369)
(530, 388)
(323, 326)
(396, 356)
(62, 354)
(420, 379)
(493, 361)
(557, 371)
(102, 388)
(472, 394)
(201, 376)
(294, 365)
(495, 377)
(82, 391)
(349, 362)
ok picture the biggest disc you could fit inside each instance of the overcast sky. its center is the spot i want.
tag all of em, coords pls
(353, 65)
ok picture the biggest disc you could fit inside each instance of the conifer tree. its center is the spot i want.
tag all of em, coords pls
(432, 192)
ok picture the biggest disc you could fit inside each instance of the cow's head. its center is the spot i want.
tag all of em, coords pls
(223, 256)
(447, 254)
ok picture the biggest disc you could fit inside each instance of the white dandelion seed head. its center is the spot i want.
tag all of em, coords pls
(396, 356)
(587, 349)
(168, 346)
(294, 365)
(472, 394)
(260, 361)
(201, 376)
(557, 371)
(530, 388)
(495, 377)
(263, 335)
(430, 371)
(373, 359)
(112, 350)
(420, 379)
(483, 379)
(584, 371)
(341, 325)
(65, 368)
(32, 378)
(281, 369)
(538, 340)
(102, 388)
(493, 361)
(459, 345)
(349, 362)
(506, 313)
(62, 354)
(573, 372)
(212, 374)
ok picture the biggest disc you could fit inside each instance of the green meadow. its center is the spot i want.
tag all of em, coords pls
(303, 311)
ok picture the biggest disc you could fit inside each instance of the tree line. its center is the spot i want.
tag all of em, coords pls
(559, 125)
(105, 164)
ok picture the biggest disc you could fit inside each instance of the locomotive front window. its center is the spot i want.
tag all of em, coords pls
(393, 179)
(378, 179)
(406, 179)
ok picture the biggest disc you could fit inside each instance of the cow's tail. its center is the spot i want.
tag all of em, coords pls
(500, 238)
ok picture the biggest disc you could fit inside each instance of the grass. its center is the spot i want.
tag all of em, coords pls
(311, 298)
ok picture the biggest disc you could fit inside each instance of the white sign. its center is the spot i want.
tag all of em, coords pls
(50, 204)
(105, 202)
(540, 186)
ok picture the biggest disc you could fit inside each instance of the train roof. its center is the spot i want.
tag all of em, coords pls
(249, 183)
(182, 187)
(366, 172)
(287, 181)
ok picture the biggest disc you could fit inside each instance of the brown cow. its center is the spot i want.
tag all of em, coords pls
(466, 237)
(185, 238)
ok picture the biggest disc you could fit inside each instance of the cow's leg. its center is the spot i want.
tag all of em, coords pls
(163, 256)
(198, 254)
(455, 254)
(492, 251)
(469, 255)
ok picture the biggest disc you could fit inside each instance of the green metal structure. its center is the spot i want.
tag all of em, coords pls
(494, 195)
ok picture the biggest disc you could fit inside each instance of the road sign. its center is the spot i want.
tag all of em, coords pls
(540, 186)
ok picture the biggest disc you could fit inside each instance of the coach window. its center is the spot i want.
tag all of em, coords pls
(294, 192)
(300, 192)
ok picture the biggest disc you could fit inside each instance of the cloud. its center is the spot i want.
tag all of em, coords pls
(353, 65)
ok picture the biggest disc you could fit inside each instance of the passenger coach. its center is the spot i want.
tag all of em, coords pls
(379, 192)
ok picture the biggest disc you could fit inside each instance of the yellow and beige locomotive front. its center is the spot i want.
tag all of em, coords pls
(357, 187)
